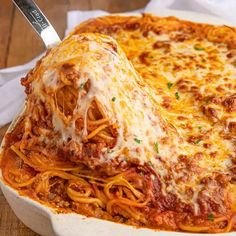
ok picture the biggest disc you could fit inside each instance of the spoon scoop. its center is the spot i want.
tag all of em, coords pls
(38, 21)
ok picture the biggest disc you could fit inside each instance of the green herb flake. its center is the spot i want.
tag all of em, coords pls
(177, 96)
(169, 85)
(150, 164)
(199, 127)
(156, 148)
(197, 142)
(113, 99)
(198, 48)
(137, 140)
(211, 217)
(81, 86)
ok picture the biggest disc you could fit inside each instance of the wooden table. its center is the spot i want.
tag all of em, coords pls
(19, 44)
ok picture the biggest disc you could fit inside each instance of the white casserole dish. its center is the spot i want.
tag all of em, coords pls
(45, 221)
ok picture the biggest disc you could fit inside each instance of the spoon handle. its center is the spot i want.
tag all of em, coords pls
(38, 21)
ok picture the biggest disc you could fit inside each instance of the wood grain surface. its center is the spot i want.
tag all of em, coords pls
(19, 44)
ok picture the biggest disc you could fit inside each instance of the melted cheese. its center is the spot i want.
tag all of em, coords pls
(134, 103)
(209, 73)
(116, 85)
(205, 69)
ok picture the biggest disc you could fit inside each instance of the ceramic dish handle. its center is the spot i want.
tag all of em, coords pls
(38, 21)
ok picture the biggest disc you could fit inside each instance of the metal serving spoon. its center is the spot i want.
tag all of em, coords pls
(38, 21)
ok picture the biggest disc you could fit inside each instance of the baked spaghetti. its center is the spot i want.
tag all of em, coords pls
(150, 144)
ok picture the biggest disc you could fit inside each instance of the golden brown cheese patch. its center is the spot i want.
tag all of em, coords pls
(193, 70)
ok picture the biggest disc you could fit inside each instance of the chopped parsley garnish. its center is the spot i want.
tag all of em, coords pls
(137, 140)
(169, 85)
(199, 127)
(113, 99)
(197, 142)
(81, 86)
(198, 48)
(211, 217)
(150, 164)
(156, 148)
(177, 96)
